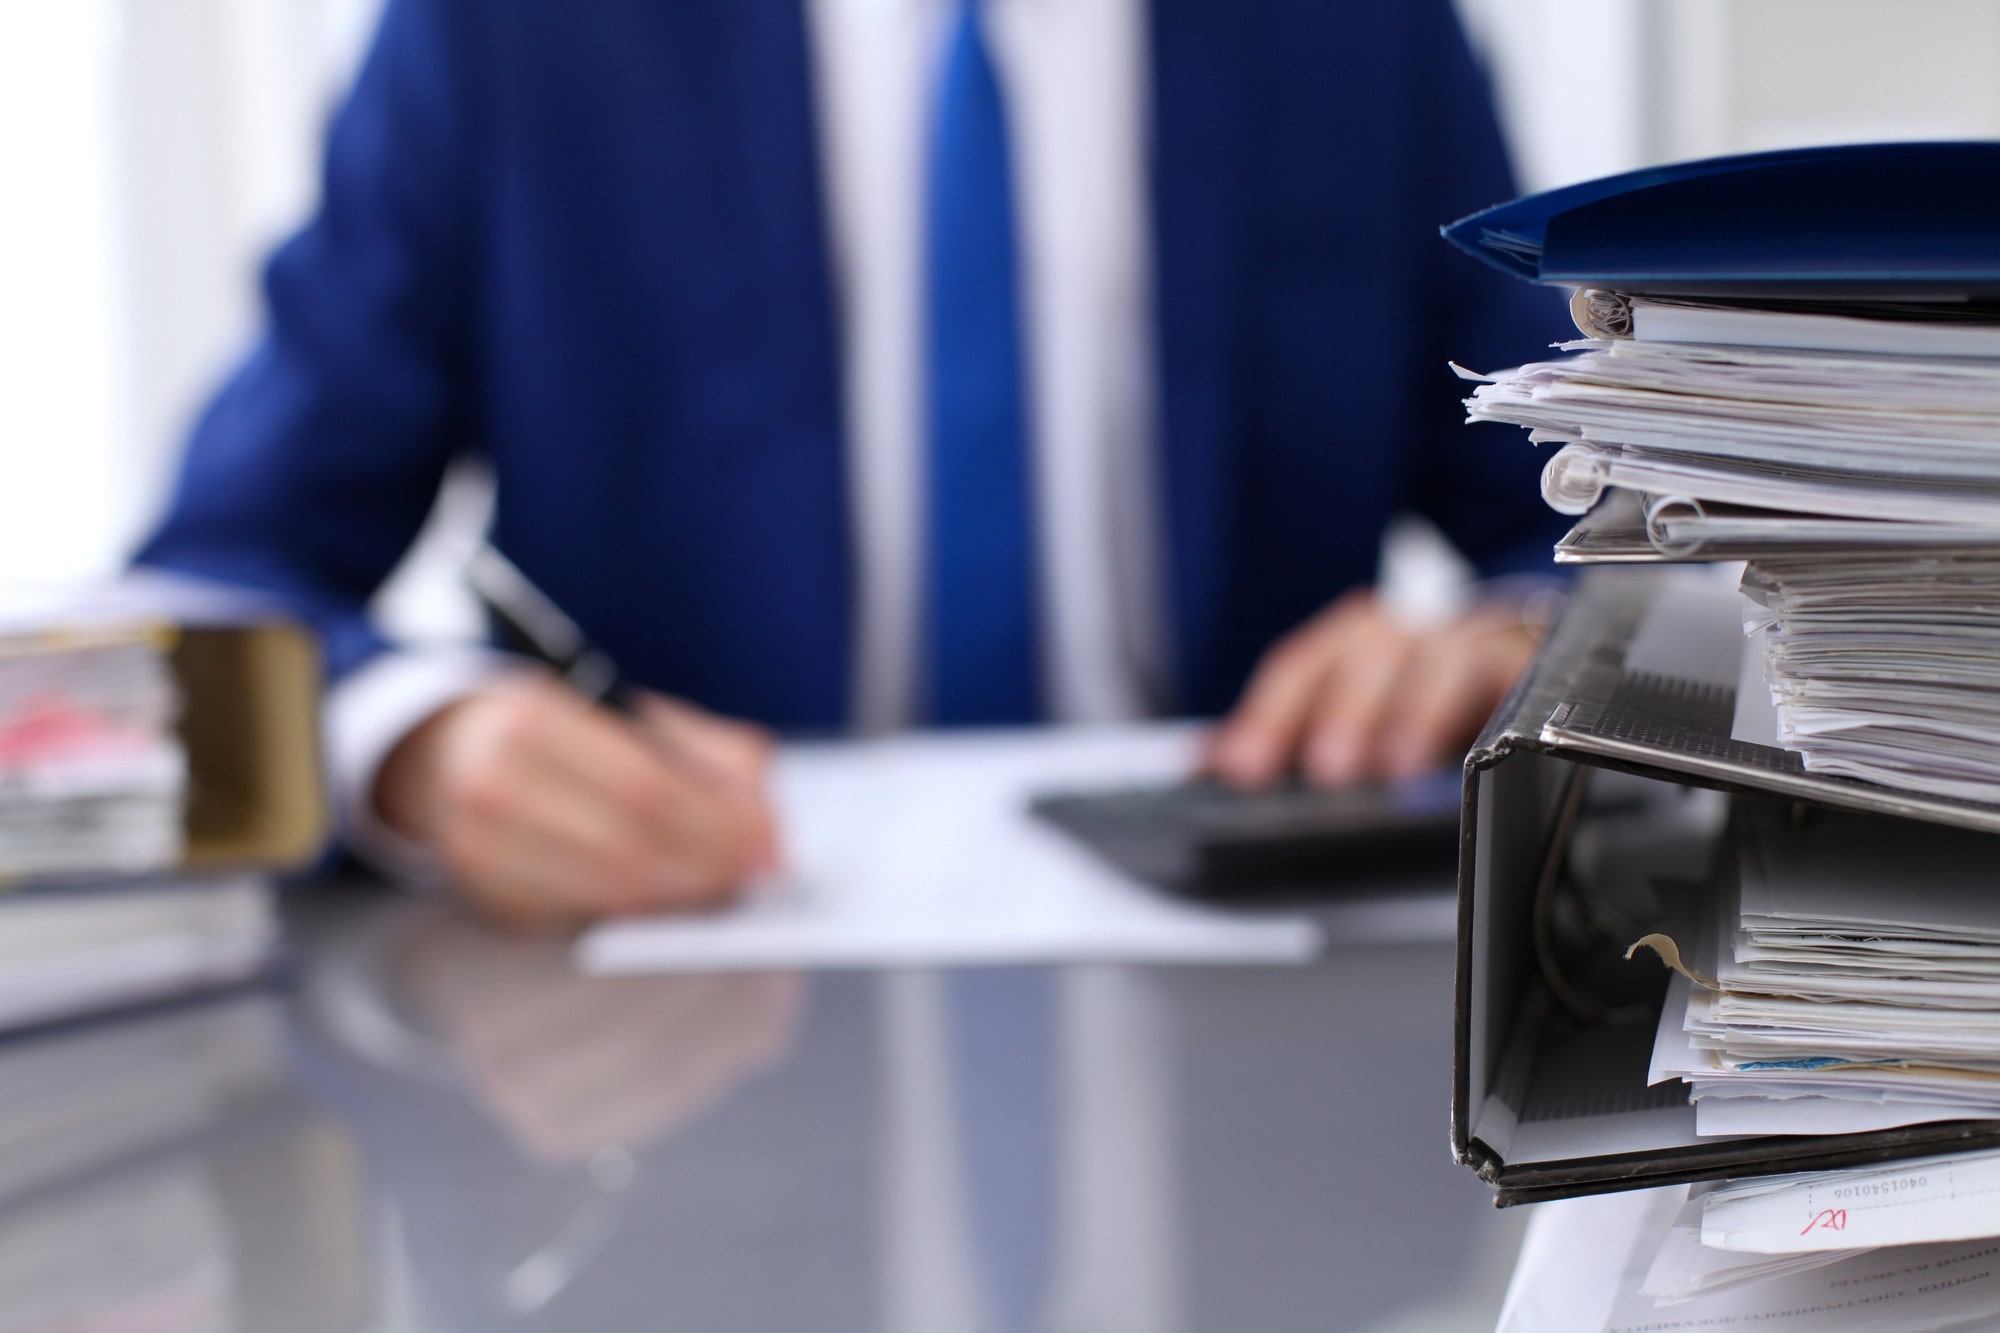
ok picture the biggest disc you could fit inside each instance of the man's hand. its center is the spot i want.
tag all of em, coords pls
(548, 809)
(1354, 693)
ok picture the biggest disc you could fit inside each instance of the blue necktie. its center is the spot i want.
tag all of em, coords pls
(980, 663)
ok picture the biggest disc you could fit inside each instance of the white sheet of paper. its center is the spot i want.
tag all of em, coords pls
(1736, 1117)
(1860, 965)
(1574, 1258)
(1584, 1262)
(1904, 1203)
(1692, 322)
(920, 850)
(1685, 1268)
(1868, 876)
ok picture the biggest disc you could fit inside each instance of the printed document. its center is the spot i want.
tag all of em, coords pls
(921, 850)
(1590, 1265)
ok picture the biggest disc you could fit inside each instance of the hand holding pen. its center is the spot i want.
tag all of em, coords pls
(548, 807)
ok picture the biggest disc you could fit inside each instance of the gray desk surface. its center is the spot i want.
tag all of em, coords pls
(440, 1128)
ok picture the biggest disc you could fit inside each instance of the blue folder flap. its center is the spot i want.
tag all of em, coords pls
(1914, 219)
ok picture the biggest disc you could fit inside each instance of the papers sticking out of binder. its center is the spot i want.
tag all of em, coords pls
(1629, 527)
(157, 754)
(1564, 1080)
(155, 724)
(1841, 432)
(1638, 1261)
(1812, 1000)
(1875, 440)
(93, 774)
(1886, 669)
(1792, 359)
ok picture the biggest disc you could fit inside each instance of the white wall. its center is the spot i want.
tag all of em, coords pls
(152, 149)
(216, 106)
(1566, 74)
(59, 380)
(1739, 75)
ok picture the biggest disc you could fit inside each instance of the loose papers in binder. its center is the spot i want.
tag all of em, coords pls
(1849, 980)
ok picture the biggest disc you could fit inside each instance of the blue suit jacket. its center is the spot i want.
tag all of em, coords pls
(586, 240)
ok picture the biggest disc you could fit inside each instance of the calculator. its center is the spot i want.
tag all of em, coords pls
(1290, 842)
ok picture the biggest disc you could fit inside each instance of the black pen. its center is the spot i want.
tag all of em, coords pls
(532, 624)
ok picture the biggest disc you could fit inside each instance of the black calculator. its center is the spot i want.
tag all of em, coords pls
(1291, 842)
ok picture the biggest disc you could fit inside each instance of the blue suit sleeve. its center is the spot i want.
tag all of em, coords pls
(313, 468)
(1479, 484)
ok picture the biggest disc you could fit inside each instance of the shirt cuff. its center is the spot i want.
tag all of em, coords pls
(372, 709)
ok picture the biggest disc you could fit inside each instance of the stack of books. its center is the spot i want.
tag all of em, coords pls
(1792, 360)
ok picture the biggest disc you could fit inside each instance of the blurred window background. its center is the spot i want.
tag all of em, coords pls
(150, 152)
(153, 149)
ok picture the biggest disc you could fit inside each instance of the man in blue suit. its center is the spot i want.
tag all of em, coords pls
(874, 362)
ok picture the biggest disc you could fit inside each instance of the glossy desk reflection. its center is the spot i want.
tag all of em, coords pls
(443, 1128)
